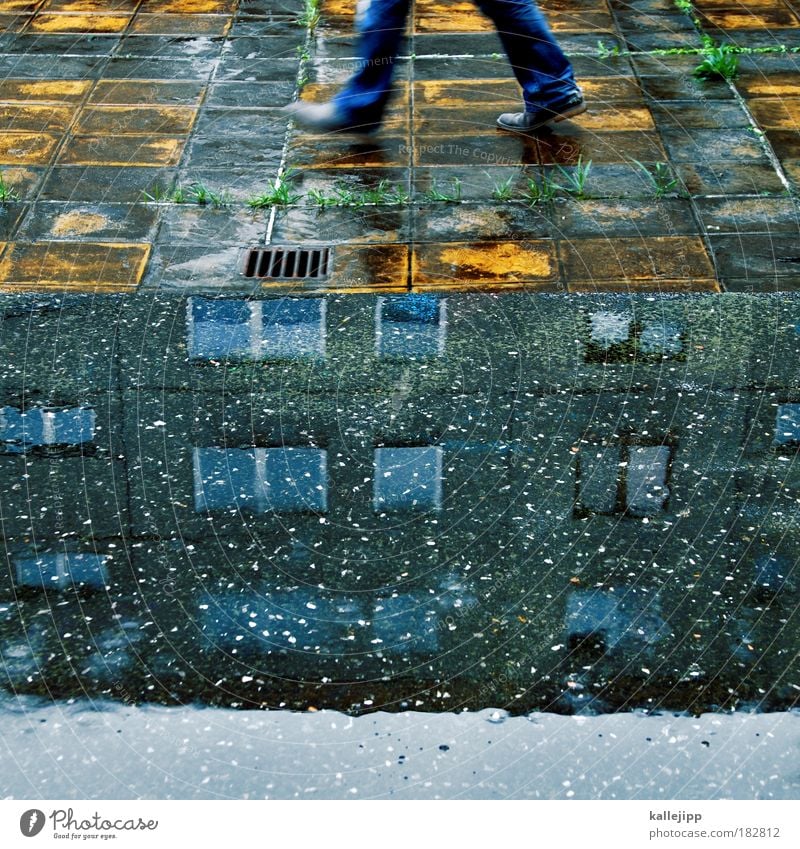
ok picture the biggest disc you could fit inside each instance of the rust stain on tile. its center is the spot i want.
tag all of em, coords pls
(136, 120)
(121, 151)
(483, 262)
(36, 266)
(26, 148)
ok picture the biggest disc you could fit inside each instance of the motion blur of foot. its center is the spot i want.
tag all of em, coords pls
(325, 118)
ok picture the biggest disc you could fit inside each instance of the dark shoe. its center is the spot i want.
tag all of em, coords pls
(325, 118)
(560, 110)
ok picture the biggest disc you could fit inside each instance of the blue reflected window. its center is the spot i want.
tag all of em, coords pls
(661, 338)
(787, 426)
(62, 570)
(408, 479)
(261, 480)
(410, 326)
(38, 427)
(292, 329)
(614, 478)
(235, 329)
(408, 623)
(620, 618)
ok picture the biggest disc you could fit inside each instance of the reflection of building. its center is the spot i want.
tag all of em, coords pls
(517, 500)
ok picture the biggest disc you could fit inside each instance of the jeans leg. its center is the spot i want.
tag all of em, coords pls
(539, 64)
(382, 25)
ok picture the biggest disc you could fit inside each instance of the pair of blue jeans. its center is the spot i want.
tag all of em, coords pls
(539, 64)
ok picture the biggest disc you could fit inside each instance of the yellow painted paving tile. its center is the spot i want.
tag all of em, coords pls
(702, 5)
(63, 23)
(197, 25)
(779, 84)
(73, 265)
(39, 118)
(777, 18)
(145, 92)
(580, 21)
(44, 91)
(615, 118)
(610, 89)
(512, 264)
(19, 5)
(775, 114)
(456, 20)
(650, 258)
(460, 94)
(337, 10)
(190, 7)
(27, 148)
(123, 150)
(136, 120)
(90, 6)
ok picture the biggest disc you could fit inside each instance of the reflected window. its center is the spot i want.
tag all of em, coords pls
(608, 330)
(661, 339)
(787, 426)
(40, 427)
(410, 326)
(406, 623)
(646, 490)
(408, 479)
(261, 480)
(62, 570)
(617, 337)
(628, 479)
(277, 329)
(600, 620)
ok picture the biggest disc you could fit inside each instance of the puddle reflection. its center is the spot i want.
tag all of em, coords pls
(440, 500)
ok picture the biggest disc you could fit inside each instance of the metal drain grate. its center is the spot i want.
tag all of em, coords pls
(286, 263)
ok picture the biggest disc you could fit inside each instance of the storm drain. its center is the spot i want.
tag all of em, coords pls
(285, 263)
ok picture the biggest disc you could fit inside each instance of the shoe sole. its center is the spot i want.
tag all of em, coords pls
(578, 109)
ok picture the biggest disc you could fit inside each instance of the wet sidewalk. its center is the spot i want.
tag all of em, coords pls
(142, 146)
